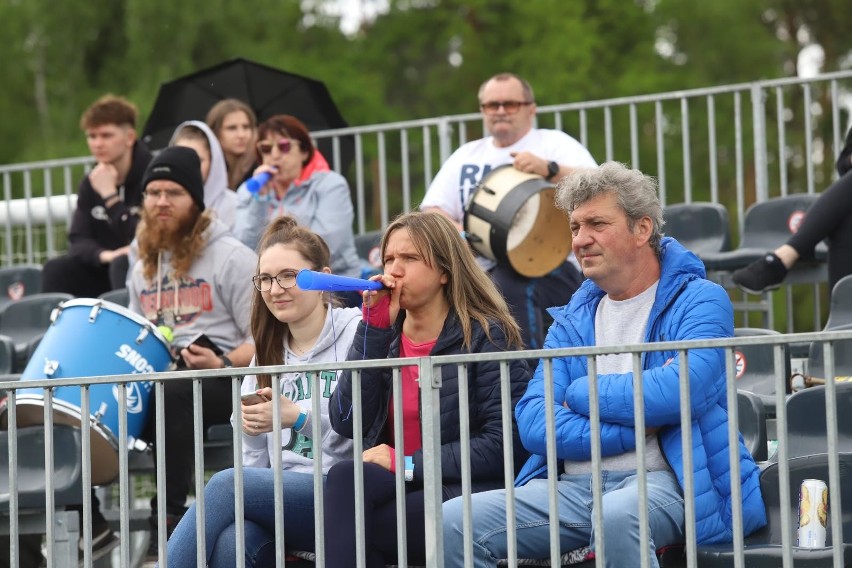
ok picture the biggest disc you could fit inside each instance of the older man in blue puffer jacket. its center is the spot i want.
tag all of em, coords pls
(640, 287)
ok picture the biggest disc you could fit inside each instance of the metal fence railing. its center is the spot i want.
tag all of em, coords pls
(835, 441)
(732, 144)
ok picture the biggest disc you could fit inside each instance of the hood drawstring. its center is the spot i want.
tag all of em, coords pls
(175, 316)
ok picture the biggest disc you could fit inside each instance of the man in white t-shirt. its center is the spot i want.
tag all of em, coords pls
(508, 109)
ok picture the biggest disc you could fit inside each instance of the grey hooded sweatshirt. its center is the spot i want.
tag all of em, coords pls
(298, 447)
(213, 298)
(217, 196)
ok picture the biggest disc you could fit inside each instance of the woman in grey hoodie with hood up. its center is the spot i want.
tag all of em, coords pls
(289, 326)
(217, 196)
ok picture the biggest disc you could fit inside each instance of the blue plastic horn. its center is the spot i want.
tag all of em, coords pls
(311, 280)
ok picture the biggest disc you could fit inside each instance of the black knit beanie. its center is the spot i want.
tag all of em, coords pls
(180, 165)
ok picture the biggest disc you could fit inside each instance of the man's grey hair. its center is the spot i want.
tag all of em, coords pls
(526, 88)
(635, 192)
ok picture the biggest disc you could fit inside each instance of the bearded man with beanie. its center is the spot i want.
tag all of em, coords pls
(193, 277)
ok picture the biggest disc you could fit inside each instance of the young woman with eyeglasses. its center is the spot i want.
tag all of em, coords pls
(317, 197)
(289, 326)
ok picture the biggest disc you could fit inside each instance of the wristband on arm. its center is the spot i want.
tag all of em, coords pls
(409, 468)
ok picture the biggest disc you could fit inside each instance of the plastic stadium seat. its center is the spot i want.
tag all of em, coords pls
(67, 472)
(701, 227)
(18, 281)
(26, 320)
(752, 422)
(840, 309)
(7, 355)
(766, 226)
(842, 356)
(763, 548)
(806, 429)
(121, 296)
(756, 367)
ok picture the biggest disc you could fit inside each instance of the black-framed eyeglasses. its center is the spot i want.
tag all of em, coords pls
(511, 106)
(284, 145)
(170, 194)
(286, 279)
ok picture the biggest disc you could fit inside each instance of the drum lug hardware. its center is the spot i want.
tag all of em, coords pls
(143, 333)
(93, 315)
(488, 190)
(50, 367)
(102, 409)
(137, 445)
(54, 313)
(471, 238)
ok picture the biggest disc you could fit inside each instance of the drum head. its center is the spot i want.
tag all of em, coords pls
(512, 218)
(104, 462)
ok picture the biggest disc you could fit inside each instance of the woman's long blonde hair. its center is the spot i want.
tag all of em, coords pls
(268, 332)
(469, 291)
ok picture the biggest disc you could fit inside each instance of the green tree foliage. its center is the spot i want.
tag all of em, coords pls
(420, 58)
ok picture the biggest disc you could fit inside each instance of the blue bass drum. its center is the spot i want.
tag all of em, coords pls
(89, 338)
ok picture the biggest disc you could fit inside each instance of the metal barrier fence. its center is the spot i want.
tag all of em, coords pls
(732, 144)
(430, 369)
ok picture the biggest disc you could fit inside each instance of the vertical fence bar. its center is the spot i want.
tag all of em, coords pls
(360, 197)
(833, 459)
(608, 132)
(427, 156)
(660, 121)
(597, 482)
(86, 452)
(383, 179)
(639, 424)
(738, 152)
(464, 433)
(399, 454)
(12, 411)
(711, 141)
(734, 457)
(688, 462)
(358, 451)
(781, 124)
(430, 388)
(634, 137)
(278, 488)
(779, 363)
(809, 133)
(687, 150)
(406, 171)
(319, 475)
(552, 463)
(758, 114)
(508, 462)
(160, 449)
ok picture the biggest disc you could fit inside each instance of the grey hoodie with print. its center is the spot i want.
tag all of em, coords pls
(213, 298)
(298, 447)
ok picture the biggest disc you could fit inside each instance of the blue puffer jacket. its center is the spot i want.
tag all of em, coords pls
(687, 306)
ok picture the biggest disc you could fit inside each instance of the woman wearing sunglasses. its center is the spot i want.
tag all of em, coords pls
(290, 327)
(300, 185)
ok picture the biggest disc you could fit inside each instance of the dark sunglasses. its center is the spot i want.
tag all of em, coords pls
(284, 145)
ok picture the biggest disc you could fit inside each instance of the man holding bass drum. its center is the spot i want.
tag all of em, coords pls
(511, 218)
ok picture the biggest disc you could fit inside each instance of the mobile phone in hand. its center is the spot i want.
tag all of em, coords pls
(253, 398)
(203, 341)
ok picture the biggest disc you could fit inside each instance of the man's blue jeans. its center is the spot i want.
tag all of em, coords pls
(620, 519)
(220, 528)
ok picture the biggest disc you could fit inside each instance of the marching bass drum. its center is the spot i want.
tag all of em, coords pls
(511, 217)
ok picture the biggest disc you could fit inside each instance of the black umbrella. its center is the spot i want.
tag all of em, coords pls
(268, 91)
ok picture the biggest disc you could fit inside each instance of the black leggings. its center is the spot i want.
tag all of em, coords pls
(71, 275)
(829, 217)
(178, 426)
(379, 517)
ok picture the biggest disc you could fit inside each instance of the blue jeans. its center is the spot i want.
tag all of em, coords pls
(259, 500)
(620, 519)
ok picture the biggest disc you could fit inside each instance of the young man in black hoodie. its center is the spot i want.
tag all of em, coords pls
(108, 202)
